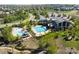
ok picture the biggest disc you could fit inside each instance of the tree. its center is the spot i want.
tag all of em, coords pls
(48, 42)
(36, 15)
(7, 35)
(9, 18)
(44, 13)
(19, 15)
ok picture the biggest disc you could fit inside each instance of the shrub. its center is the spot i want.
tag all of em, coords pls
(52, 49)
(7, 35)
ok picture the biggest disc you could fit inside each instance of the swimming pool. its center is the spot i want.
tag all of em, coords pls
(18, 32)
(40, 28)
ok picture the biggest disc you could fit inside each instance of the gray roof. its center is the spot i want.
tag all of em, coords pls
(58, 19)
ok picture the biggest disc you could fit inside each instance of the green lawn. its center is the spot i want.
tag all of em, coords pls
(9, 24)
(72, 44)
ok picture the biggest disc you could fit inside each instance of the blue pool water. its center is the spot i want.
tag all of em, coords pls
(19, 32)
(40, 28)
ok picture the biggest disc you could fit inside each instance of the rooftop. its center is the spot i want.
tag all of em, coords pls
(58, 19)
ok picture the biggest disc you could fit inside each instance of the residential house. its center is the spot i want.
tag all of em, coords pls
(58, 24)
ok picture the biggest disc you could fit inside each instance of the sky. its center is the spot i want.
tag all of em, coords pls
(27, 2)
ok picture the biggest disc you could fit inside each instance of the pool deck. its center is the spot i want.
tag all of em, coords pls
(27, 37)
